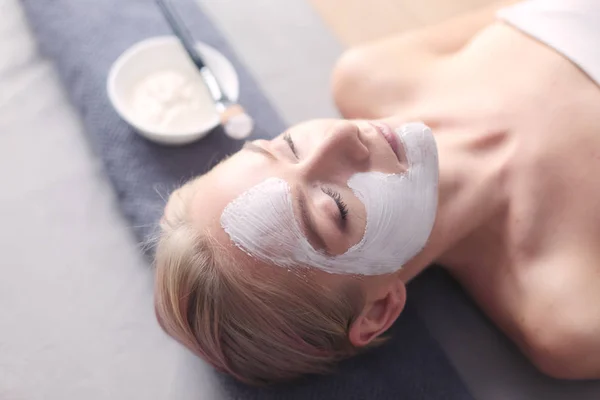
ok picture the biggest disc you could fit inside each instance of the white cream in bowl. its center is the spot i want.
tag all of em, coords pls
(157, 90)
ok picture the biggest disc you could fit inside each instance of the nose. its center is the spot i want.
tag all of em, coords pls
(340, 150)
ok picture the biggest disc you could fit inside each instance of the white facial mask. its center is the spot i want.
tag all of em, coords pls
(400, 210)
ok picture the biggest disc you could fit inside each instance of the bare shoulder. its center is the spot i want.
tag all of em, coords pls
(549, 308)
(377, 79)
(562, 327)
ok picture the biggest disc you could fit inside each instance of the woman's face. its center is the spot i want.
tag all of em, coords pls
(315, 160)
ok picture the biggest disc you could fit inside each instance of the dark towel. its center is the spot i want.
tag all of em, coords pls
(84, 38)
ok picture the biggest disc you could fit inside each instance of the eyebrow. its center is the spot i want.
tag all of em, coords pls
(258, 149)
(309, 225)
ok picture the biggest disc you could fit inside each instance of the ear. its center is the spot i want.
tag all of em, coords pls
(379, 313)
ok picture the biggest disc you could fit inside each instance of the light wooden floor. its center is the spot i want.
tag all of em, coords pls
(357, 21)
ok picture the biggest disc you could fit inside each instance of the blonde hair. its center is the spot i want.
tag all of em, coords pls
(260, 325)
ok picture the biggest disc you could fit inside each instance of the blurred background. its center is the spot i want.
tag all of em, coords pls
(358, 21)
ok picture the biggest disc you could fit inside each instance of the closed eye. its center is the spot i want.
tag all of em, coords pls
(288, 138)
(342, 206)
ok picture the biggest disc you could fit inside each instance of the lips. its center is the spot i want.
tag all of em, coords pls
(389, 136)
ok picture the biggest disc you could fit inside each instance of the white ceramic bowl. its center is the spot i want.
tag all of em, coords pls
(166, 53)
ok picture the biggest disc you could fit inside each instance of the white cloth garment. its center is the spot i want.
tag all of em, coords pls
(571, 27)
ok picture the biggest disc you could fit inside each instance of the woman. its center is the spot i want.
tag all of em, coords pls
(294, 253)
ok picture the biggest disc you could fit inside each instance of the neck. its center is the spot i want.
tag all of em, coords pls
(472, 189)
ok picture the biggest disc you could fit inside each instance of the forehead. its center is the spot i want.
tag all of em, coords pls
(225, 182)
